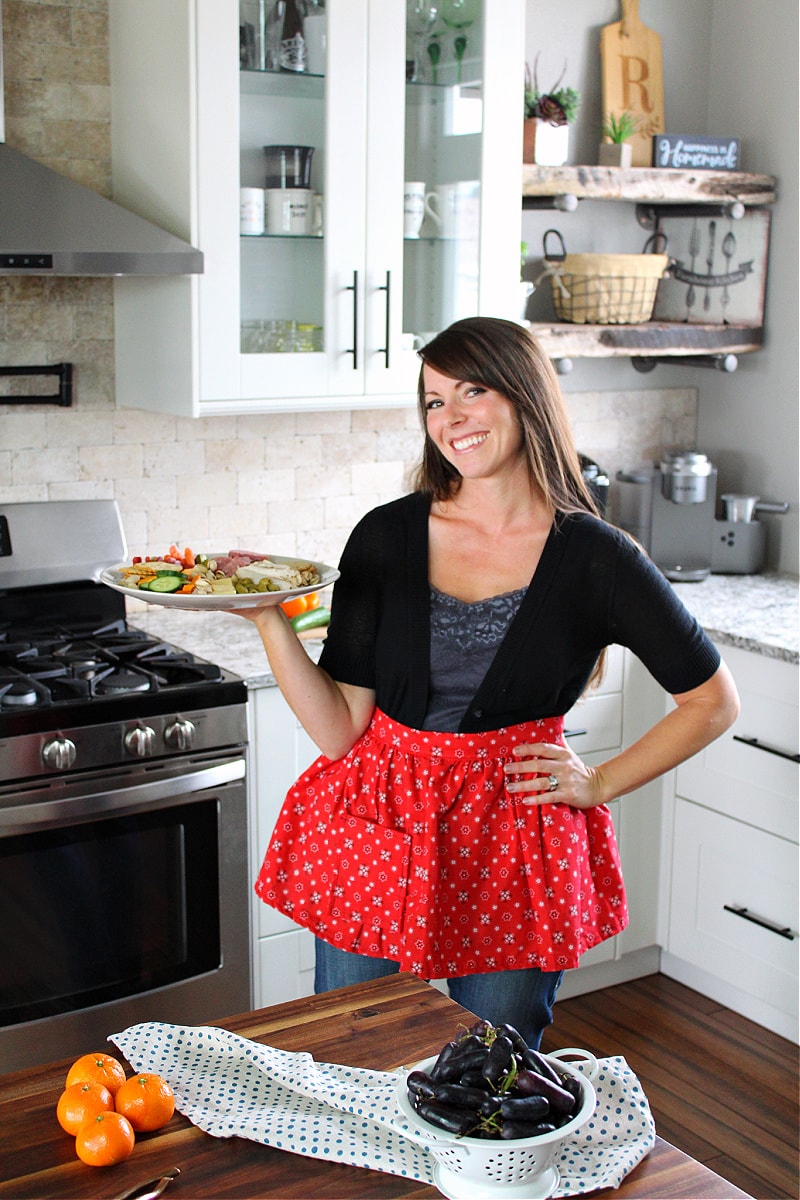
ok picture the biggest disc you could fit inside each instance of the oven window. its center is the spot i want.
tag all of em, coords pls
(108, 909)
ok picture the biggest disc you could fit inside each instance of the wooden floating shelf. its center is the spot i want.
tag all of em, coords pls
(652, 339)
(648, 185)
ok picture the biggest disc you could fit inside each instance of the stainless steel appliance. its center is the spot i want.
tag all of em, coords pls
(670, 508)
(124, 887)
(740, 539)
(597, 481)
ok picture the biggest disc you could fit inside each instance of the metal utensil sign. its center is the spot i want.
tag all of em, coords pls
(717, 271)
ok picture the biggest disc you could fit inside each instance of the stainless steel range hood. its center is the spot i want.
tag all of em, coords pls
(50, 225)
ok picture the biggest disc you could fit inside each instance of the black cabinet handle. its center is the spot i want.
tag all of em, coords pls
(386, 287)
(783, 931)
(759, 745)
(575, 732)
(353, 287)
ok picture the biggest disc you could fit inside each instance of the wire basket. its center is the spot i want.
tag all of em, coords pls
(471, 1168)
(604, 289)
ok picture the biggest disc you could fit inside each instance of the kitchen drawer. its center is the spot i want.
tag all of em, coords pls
(756, 783)
(595, 723)
(284, 967)
(718, 862)
(613, 673)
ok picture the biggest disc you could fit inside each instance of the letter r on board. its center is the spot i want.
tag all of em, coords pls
(634, 73)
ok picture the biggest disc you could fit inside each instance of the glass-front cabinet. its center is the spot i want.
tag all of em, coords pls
(350, 170)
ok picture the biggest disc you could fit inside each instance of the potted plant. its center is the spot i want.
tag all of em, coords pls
(548, 116)
(615, 150)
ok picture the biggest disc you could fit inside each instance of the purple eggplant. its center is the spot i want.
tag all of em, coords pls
(517, 1040)
(454, 1120)
(498, 1059)
(531, 1083)
(524, 1108)
(420, 1084)
(524, 1129)
(535, 1061)
(459, 1096)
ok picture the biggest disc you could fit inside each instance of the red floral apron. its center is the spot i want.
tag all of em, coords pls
(410, 848)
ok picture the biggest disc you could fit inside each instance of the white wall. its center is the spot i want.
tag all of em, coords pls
(730, 67)
(748, 422)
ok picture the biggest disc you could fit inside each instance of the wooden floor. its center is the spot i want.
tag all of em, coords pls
(721, 1088)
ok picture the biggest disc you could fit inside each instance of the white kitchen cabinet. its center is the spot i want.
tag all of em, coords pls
(283, 953)
(188, 129)
(602, 722)
(731, 850)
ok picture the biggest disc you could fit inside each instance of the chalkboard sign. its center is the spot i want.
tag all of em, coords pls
(683, 152)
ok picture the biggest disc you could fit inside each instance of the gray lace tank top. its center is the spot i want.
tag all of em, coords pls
(464, 639)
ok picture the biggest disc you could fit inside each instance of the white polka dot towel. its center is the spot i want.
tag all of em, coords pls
(231, 1087)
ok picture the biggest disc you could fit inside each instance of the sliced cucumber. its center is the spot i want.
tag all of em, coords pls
(166, 583)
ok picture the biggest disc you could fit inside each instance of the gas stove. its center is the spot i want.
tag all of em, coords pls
(73, 670)
(123, 762)
(110, 671)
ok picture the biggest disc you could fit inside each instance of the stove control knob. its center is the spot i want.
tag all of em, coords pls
(180, 734)
(140, 741)
(59, 754)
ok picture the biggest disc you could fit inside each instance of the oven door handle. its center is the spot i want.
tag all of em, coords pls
(41, 808)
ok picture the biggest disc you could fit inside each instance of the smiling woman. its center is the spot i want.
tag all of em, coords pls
(463, 416)
(448, 828)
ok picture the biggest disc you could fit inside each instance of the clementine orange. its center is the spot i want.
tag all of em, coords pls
(97, 1068)
(146, 1100)
(105, 1140)
(80, 1102)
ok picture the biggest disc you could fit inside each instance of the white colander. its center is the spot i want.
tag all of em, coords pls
(470, 1168)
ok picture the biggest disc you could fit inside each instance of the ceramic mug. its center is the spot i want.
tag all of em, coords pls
(413, 208)
(251, 210)
(454, 208)
(317, 214)
(288, 211)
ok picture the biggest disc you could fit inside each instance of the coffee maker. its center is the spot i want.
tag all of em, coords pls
(670, 508)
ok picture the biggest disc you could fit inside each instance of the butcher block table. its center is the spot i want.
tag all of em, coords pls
(379, 1025)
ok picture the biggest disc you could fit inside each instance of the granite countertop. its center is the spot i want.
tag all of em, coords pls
(758, 613)
(754, 612)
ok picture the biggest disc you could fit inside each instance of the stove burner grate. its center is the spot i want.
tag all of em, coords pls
(41, 667)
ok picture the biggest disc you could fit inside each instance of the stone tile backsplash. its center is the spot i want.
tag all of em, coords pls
(290, 483)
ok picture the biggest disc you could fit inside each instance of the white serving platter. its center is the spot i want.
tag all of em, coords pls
(113, 578)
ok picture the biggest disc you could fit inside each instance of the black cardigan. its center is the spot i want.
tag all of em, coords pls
(592, 587)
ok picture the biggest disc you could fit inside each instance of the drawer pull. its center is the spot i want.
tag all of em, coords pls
(575, 732)
(757, 745)
(783, 931)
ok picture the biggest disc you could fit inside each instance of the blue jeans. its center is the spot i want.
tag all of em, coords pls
(521, 998)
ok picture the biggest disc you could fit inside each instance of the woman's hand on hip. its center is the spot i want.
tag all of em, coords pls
(545, 773)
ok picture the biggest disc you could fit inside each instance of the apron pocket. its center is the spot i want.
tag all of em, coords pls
(366, 880)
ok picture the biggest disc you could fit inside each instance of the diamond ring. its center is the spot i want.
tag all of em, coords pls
(553, 783)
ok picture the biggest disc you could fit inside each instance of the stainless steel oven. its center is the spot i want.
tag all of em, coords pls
(124, 887)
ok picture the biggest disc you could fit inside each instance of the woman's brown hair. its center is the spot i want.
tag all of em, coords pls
(505, 357)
